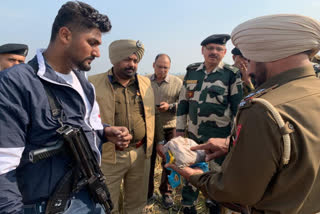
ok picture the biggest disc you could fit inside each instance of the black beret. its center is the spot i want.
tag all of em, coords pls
(236, 51)
(19, 49)
(220, 39)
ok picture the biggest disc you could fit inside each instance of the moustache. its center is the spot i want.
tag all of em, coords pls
(89, 58)
(213, 55)
(129, 68)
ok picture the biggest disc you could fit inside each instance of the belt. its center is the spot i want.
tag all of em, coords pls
(136, 145)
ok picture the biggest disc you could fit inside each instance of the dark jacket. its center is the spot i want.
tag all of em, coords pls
(26, 124)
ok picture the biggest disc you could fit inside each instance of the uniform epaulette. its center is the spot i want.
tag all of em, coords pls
(246, 102)
(231, 68)
(194, 66)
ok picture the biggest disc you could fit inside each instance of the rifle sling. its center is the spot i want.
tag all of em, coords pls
(55, 106)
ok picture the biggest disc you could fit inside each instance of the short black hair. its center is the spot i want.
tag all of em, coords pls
(79, 16)
(162, 54)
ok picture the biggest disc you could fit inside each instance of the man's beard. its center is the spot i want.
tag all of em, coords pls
(129, 72)
(83, 65)
(261, 70)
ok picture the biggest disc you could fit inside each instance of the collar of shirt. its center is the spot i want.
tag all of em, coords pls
(219, 68)
(288, 76)
(154, 78)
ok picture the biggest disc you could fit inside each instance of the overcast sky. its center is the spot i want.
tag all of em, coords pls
(174, 27)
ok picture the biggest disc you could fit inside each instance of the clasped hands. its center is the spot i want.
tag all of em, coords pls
(119, 135)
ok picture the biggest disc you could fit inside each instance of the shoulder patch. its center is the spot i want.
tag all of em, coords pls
(231, 68)
(193, 66)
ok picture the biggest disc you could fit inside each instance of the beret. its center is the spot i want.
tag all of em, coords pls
(220, 39)
(236, 51)
(121, 49)
(11, 48)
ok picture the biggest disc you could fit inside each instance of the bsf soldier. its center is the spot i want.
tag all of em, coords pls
(208, 102)
(12, 54)
(274, 163)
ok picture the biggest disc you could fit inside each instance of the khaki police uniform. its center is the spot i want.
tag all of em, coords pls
(253, 173)
(131, 106)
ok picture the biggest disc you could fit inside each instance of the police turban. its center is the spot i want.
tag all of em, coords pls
(274, 37)
(121, 49)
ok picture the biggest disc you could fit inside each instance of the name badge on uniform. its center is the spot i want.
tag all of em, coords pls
(191, 81)
(190, 94)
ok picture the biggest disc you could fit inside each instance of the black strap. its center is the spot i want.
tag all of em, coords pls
(55, 107)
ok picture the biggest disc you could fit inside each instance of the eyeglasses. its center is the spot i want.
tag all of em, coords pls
(218, 49)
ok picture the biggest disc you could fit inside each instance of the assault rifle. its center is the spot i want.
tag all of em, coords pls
(86, 168)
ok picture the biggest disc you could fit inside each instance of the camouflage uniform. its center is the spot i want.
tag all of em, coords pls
(206, 107)
(208, 102)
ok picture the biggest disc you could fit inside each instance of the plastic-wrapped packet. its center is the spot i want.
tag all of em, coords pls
(179, 148)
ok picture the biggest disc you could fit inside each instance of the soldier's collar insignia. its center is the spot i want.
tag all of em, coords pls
(256, 94)
(250, 97)
(242, 103)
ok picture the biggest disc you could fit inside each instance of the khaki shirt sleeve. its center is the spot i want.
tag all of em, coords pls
(249, 167)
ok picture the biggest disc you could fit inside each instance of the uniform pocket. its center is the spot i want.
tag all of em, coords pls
(216, 95)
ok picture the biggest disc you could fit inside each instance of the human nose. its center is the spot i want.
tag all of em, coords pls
(96, 52)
